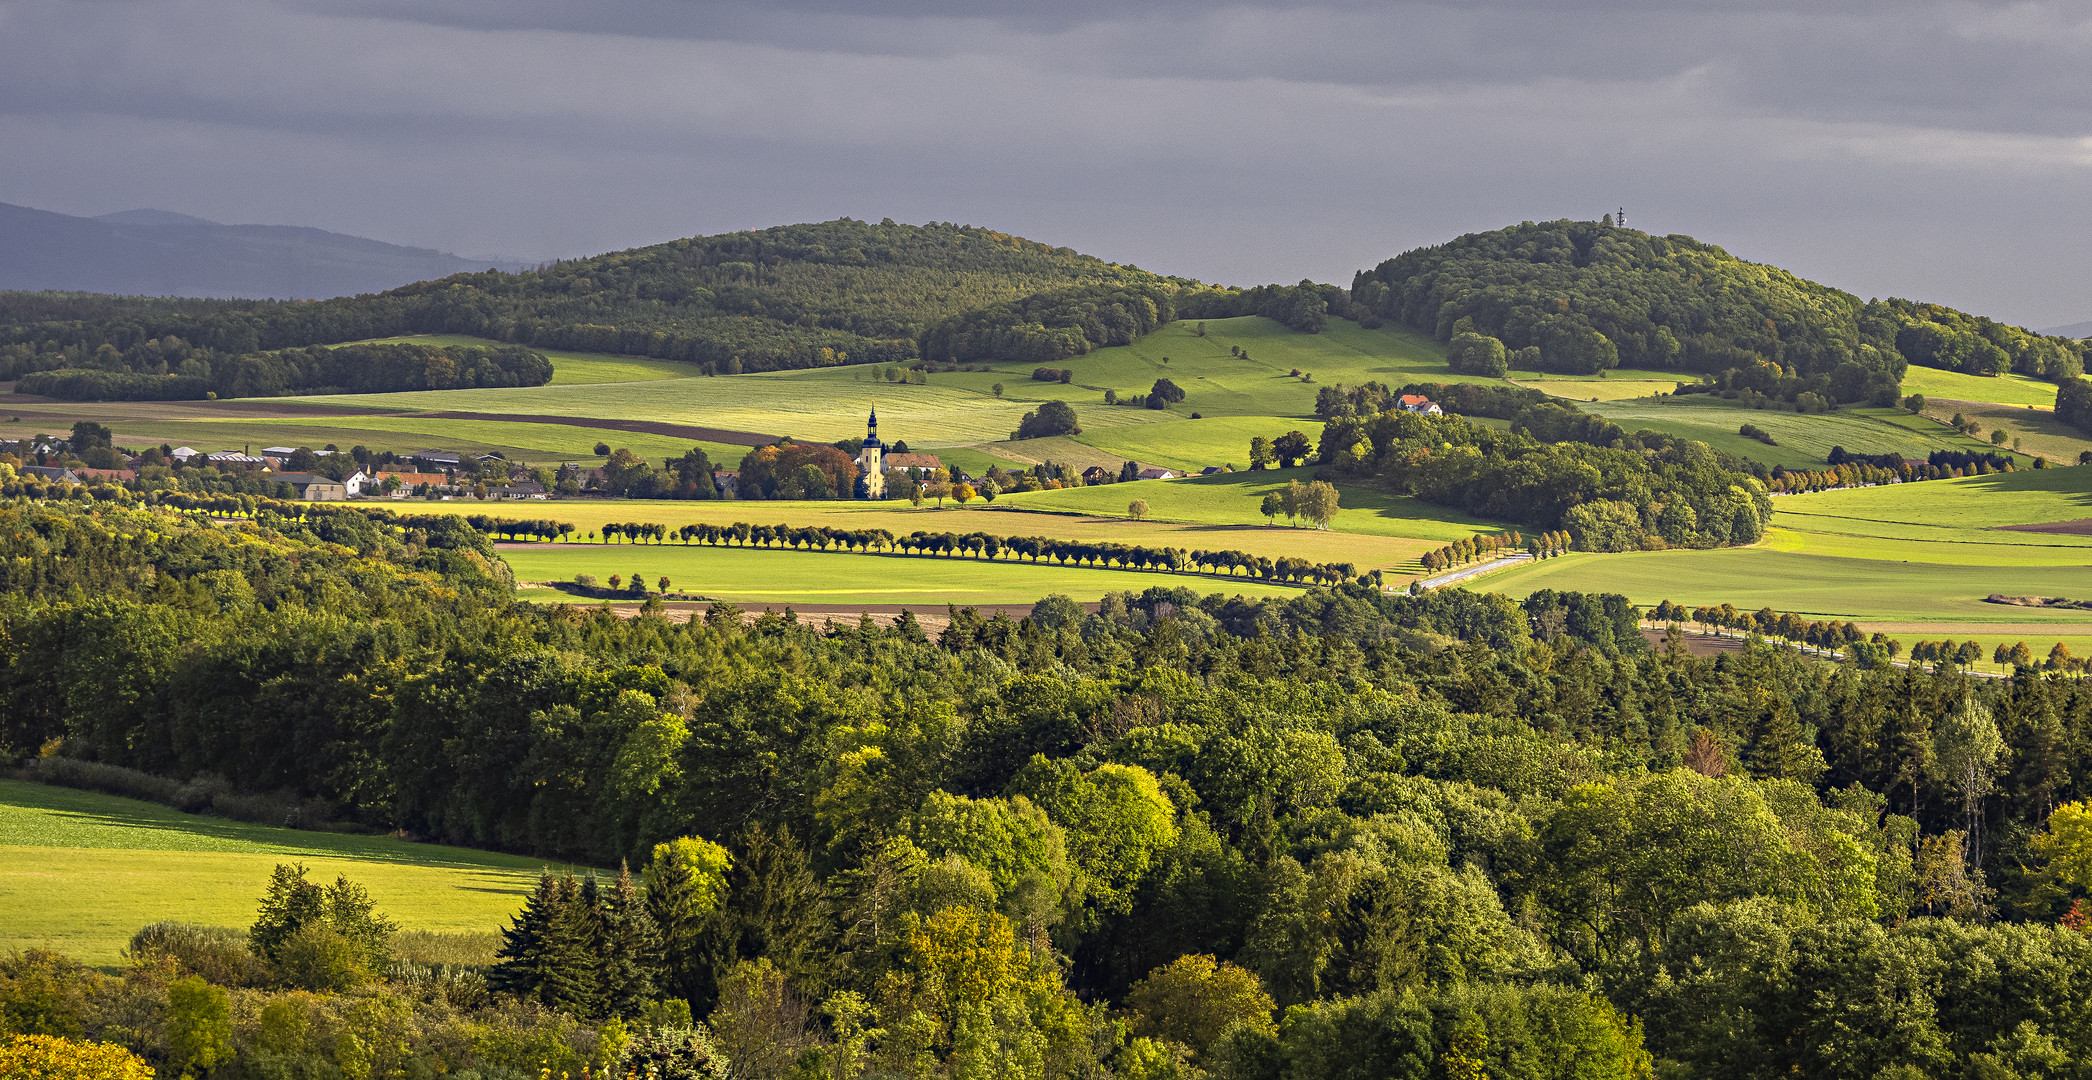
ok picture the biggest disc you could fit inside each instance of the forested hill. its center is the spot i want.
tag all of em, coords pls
(791, 296)
(1584, 296)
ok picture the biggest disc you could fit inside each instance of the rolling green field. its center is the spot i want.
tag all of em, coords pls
(1195, 444)
(80, 871)
(1916, 560)
(755, 576)
(2003, 389)
(1232, 498)
(1373, 531)
(1805, 440)
(568, 368)
(2034, 427)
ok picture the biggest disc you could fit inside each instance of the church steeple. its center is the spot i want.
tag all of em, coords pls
(871, 426)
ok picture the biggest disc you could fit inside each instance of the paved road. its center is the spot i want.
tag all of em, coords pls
(1466, 572)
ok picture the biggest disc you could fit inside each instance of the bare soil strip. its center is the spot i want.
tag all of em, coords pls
(2079, 527)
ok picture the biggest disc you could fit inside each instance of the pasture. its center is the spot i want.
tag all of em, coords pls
(1373, 531)
(1914, 560)
(569, 368)
(81, 871)
(1805, 439)
(759, 575)
(1232, 499)
(2002, 389)
(1195, 444)
(2034, 429)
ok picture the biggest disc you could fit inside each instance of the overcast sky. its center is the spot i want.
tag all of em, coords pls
(1939, 151)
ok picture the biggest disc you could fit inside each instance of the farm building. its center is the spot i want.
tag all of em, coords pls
(315, 488)
(1153, 473)
(1418, 403)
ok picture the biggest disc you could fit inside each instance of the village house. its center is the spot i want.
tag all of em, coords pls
(1418, 403)
(314, 488)
(1153, 473)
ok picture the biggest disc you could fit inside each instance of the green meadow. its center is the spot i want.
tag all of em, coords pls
(569, 368)
(1918, 559)
(1805, 439)
(1232, 499)
(81, 871)
(759, 575)
(2003, 389)
(1196, 444)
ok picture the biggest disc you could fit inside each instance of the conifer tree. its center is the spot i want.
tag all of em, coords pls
(629, 962)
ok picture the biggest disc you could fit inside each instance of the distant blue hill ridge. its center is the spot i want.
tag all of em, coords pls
(162, 253)
(2074, 330)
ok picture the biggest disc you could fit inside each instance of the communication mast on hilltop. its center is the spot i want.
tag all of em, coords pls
(1620, 219)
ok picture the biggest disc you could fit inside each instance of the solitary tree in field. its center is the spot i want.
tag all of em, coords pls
(1260, 454)
(1291, 447)
(1998, 436)
(1318, 503)
(997, 389)
(1272, 506)
(1137, 509)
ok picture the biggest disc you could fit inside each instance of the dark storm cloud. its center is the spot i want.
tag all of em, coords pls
(1934, 149)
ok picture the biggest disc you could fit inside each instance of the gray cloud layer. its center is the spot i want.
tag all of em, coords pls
(1931, 149)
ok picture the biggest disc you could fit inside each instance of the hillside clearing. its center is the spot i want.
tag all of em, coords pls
(81, 871)
(1805, 439)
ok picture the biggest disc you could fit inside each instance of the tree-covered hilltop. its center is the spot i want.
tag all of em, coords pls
(1348, 833)
(1582, 297)
(786, 297)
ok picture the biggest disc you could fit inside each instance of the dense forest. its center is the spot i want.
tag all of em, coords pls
(1346, 834)
(1582, 297)
(170, 369)
(788, 297)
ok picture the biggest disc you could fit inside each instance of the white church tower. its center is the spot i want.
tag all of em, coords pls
(871, 468)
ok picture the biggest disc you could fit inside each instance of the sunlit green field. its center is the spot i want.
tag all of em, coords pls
(1195, 444)
(80, 872)
(757, 575)
(1222, 518)
(1232, 499)
(1816, 585)
(571, 368)
(2004, 389)
(1922, 553)
(1805, 440)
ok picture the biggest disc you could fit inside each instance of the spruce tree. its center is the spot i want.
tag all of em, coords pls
(629, 963)
(571, 947)
(521, 964)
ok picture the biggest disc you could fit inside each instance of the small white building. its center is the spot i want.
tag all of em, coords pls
(1418, 403)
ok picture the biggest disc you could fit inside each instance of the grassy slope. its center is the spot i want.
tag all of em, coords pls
(1232, 498)
(2035, 427)
(569, 368)
(2003, 389)
(1805, 440)
(1195, 444)
(79, 872)
(804, 577)
(1892, 556)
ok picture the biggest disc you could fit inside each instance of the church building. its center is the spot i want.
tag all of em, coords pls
(871, 462)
